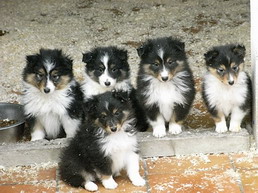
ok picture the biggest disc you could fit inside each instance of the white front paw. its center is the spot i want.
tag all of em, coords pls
(91, 186)
(139, 181)
(109, 183)
(175, 128)
(37, 135)
(159, 132)
(221, 127)
(234, 128)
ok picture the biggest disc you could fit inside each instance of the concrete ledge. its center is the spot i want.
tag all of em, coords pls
(188, 142)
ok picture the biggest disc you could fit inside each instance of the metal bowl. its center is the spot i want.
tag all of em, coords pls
(14, 132)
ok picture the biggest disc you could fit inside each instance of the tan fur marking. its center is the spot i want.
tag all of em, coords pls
(64, 80)
(213, 71)
(241, 67)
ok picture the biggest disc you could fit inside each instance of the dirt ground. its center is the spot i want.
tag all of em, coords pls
(77, 26)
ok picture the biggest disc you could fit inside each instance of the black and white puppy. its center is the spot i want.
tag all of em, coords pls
(52, 98)
(165, 85)
(107, 69)
(105, 144)
(226, 87)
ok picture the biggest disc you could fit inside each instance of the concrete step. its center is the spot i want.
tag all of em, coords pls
(188, 142)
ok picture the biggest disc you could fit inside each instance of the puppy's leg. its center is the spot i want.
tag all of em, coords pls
(158, 126)
(132, 167)
(38, 131)
(90, 186)
(70, 126)
(108, 182)
(220, 122)
(175, 128)
(237, 116)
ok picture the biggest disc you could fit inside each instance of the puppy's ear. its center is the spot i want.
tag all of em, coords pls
(122, 54)
(143, 49)
(122, 96)
(89, 107)
(87, 57)
(210, 56)
(32, 60)
(68, 62)
(180, 46)
(239, 50)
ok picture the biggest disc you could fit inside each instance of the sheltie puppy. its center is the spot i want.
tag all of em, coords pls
(165, 85)
(226, 87)
(52, 98)
(107, 69)
(104, 145)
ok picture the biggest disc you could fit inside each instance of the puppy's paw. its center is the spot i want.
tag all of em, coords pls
(221, 127)
(139, 181)
(234, 128)
(91, 186)
(159, 132)
(109, 183)
(175, 128)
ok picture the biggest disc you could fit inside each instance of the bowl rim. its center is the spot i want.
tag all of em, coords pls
(20, 122)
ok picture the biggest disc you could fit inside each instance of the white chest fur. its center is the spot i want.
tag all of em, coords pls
(40, 104)
(118, 146)
(91, 88)
(225, 97)
(166, 94)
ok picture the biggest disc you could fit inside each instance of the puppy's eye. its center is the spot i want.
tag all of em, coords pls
(220, 70)
(100, 70)
(55, 78)
(155, 64)
(103, 116)
(39, 76)
(114, 70)
(117, 113)
(170, 62)
(235, 68)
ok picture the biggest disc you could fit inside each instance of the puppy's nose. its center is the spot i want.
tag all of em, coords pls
(231, 82)
(107, 83)
(113, 129)
(46, 90)
(164, 78)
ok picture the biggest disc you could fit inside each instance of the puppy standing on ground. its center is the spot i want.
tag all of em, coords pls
(226, 87)
(107, 69)
(165, 84)
(52, 98)
(104, 145)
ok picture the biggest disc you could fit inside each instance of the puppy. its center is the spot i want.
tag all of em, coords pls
(105, 144)
(107, 69)
(165, 85)
(226, 87)
(52, 98)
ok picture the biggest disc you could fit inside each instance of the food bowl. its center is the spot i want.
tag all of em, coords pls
(12, 132)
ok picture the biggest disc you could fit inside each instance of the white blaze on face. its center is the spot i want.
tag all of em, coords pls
(164, 73)
(49, 84)
(230, 78)
(105, 79)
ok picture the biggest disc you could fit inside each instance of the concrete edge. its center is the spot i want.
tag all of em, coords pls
(188, 142)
